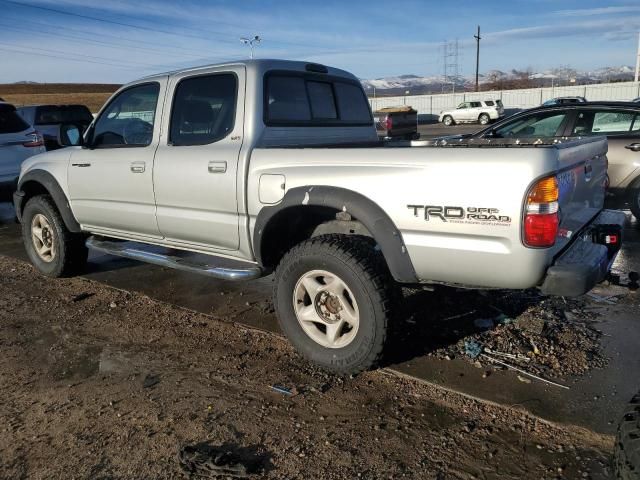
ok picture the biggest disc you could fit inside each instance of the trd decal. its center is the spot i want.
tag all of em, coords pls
(479, 215)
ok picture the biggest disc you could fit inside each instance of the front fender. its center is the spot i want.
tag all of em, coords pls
(28, 186)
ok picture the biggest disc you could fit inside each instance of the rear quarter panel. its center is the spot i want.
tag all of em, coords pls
(403, 181)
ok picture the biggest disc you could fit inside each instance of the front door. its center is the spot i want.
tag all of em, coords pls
(196, 166)
(111, 178)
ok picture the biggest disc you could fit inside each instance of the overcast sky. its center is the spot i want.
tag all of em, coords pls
(120, 40)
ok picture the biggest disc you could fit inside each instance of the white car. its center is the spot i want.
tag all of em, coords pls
(18, 141)
(481, 111)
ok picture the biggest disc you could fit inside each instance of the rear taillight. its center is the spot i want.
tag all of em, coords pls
(541, 214)
(36, 140)
(388, 122)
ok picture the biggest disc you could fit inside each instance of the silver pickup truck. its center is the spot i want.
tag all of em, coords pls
(243, 169)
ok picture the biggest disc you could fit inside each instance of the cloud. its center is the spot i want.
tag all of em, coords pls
(589, 12)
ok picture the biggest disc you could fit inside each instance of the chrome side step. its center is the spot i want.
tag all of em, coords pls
(208, 265)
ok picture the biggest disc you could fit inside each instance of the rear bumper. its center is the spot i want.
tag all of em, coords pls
(586, 262)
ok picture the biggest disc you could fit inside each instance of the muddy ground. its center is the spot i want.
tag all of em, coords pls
(100, 383)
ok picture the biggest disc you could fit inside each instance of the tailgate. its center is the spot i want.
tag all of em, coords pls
(581, 176)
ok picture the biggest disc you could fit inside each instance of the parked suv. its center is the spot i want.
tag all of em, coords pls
(48, 118)
(564, 101)
(481, 111)
(18, 141)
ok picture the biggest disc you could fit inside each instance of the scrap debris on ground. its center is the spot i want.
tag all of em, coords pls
(541, 337)
(100, 383)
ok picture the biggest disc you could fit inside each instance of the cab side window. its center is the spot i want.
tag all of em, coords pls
(128, 120)
(204, 109)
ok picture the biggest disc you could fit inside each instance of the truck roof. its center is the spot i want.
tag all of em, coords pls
(256, 66)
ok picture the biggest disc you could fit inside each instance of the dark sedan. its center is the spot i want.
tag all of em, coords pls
(618, 121)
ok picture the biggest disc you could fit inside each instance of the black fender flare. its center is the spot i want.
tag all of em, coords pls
(49, 182)
(358, 206)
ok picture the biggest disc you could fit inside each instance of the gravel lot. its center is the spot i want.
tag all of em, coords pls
(102, 383)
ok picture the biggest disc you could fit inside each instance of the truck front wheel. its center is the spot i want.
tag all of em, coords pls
(333, 299)
(51, 247)
(448, 120)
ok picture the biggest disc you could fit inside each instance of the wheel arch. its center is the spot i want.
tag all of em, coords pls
(296, 217)
(41, 182)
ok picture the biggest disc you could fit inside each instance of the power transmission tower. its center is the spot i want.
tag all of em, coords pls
(450, 56)
(477, 37)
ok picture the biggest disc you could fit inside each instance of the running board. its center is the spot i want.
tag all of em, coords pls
(208, 265)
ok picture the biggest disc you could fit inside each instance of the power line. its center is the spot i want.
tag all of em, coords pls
(93, 57)
(92, 40)
(113, 22)
(29, 53)
(97, 42)
(151, 29)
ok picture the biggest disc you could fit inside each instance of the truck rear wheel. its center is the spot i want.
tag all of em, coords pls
(51, 247)
(448, 120)
(333, 297)
(484, 119)
(627, 450)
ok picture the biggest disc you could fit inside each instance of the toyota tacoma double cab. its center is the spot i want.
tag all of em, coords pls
(239, 170)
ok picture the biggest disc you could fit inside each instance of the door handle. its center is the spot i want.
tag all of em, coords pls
(138, 167)
(80, 164)
(634, 147)
(217, 167)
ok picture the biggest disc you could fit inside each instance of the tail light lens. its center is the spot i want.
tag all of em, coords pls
(388, 122)
(37, 140)
(541, 216)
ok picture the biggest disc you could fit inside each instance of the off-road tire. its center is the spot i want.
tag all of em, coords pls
(627, 450)
(634, 202)
(361, 266)
(71, 252)
(449, 119)
(484, 119)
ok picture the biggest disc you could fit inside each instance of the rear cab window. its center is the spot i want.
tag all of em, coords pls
(10, 121)
(307, 99)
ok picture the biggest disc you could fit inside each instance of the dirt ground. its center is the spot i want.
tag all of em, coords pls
(91, 95)
(104, 384)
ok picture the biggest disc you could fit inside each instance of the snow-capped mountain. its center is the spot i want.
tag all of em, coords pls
(399, 85)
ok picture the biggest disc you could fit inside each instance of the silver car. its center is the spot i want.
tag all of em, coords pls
(18, 141)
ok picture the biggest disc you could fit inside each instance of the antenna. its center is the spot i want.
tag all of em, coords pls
(251, 42)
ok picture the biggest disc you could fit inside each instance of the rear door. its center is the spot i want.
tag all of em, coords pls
(622, 128)
(196, 165)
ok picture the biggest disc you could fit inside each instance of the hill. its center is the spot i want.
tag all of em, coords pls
(93, 95)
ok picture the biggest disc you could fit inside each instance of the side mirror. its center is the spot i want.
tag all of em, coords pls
(69, 135)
